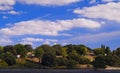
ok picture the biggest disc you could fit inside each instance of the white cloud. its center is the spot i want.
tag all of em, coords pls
(109, 11)
(33, 39)
(48, 27)
(49, 41)
(109, 0)
(99, 37)
(14, 12)
(4, 41)
(48, 2)
(4, 17)
(6, 4)
(30, 40)
(92, 1)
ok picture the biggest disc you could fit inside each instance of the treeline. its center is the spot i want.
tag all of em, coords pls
(57, 56)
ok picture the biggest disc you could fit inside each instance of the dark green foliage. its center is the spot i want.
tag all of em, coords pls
(28, 48)
(117, 52)
(113, 60)
(58, 56)
(20, 50)
(81, 49)
(48, 59)
(64, 52)
(84, 60)
(3, 64)
(9, 58)
(99, 51)
(1, 49)
(57, 49)
(39, 53)
(60, 62)
(47, 49)
(10, 48)
(71, 64)
(73, 55)
(99, 62)
(107, 50)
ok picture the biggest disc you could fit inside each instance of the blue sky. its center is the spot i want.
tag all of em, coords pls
(36, 22)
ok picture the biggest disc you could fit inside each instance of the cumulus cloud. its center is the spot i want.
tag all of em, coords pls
(31, 40)
(49, 41)
(109, 0)
(4, 41)
(109, 11)
(48, 27)
(99, 37)
(6, 4)
(92, 1)
(48, 2)
(4, 17)
(12, 12)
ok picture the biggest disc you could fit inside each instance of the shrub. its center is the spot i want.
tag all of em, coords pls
(99, 62)
(60, 62)
(84, 60)
(3, 64)
(71, 64)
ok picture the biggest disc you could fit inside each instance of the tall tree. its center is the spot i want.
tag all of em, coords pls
(48, 59)
(10, 48)
(28, 48)
(9, 58)
(39, 53)
(64, 52)
(20, 50)
(57, 49)
(99, 62)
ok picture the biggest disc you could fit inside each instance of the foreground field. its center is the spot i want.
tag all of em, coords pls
(56, 71)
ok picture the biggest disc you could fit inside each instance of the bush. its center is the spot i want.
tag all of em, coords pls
(9, 58)
(60, 62)
(48, 59)
(73, 55)
(71, 64)
(84, 60)
(3, 64)
(99, 62)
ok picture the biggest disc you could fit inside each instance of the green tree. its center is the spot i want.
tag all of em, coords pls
(71, 64)
(107, 50)
(99, 51)
(39, 53)
(28, 48)
(47, 49)
(48, 59)
(3, 64)
(1, 49)
(84, 60)
(81, 49)
(9, 58)
(113, 60)
(64, 52)
(117, 52)
(20, 50)
(73, 55)
(10, 48)
(57, 49)
(99, 62)
(60, 62)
